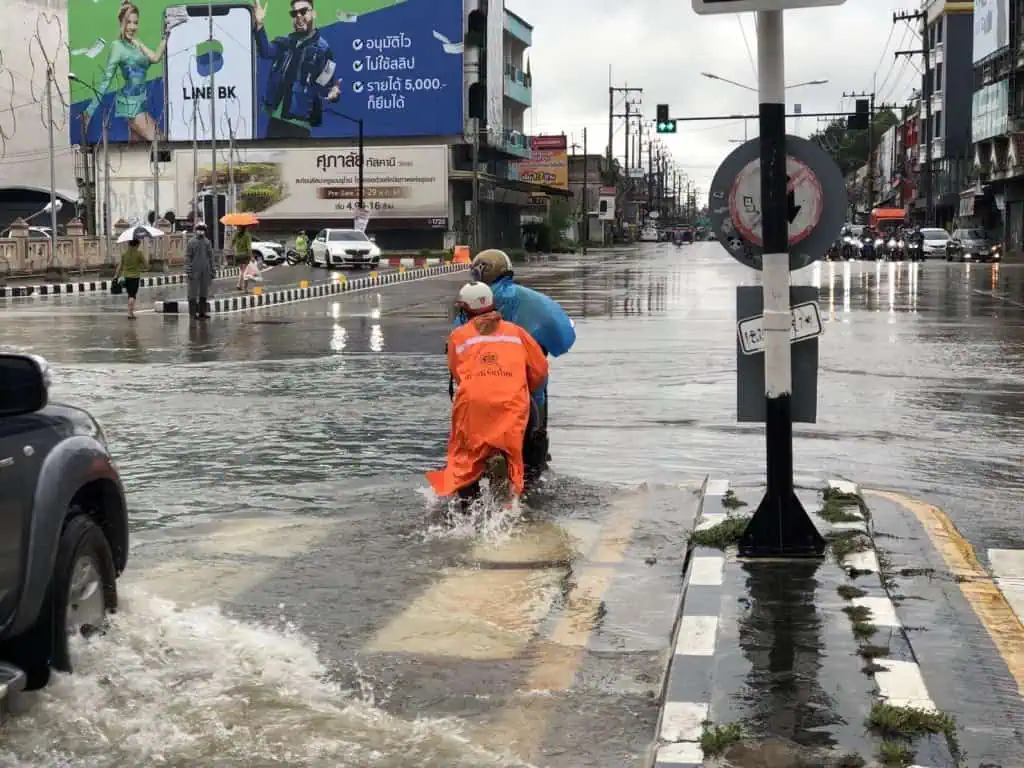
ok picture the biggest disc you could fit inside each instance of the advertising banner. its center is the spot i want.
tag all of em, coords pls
(495, 72)
(549, 162)
(991, 27)
(990, 111)
(606, 204)
(265, 69)
(398, 182)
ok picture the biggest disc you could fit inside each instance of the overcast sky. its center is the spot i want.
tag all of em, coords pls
(663, 46)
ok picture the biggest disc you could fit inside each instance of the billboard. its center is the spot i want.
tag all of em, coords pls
(398, 182)
(495, 53)
(285, 70)
(990, 111)
(548, 164)
(991, 27)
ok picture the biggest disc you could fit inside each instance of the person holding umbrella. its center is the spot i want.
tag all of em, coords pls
(241, 245)
(199, 271)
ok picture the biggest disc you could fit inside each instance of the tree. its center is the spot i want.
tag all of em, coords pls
(850, 148)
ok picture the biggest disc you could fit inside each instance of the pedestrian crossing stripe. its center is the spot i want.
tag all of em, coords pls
(93, 286)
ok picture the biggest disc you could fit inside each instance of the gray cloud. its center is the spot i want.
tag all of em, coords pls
(662, 46)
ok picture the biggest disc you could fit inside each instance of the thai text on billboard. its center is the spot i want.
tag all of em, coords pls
(323, 183)
(548, 163)
(270, 69)
(991, 27)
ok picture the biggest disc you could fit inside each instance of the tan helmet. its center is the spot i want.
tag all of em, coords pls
(491, 264)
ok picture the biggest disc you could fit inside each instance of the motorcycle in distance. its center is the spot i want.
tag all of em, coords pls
(915, 250)
(894, 249)
(867, 247)
(851, 248)
(834, 251)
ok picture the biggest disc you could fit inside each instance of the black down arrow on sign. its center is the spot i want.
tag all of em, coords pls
(794, 209)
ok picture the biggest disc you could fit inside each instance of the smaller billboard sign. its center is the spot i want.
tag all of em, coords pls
(990, 111)
(548, 164)
(407, 182)
(991, 27)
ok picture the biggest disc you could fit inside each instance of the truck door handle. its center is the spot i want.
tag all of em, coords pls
(8, 462)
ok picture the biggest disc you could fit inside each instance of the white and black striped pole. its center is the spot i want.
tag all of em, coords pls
(780, 527)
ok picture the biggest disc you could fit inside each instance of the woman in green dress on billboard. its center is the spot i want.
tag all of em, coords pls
(132, 59)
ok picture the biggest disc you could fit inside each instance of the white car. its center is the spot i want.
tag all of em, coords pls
(344, 248)
(935, 241)
(269, 251)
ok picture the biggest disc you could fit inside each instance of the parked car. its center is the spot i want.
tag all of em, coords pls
(269, 251)
(63, 527)
(972, 245)
(344, 248)
(34, 233)
(935, 241)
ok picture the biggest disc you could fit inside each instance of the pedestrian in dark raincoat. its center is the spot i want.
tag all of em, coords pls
(199, 270)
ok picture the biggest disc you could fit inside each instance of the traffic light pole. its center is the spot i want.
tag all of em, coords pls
(780, 527)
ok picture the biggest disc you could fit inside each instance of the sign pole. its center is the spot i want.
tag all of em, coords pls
(780, 526)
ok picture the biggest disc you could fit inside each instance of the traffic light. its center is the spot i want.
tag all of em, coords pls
(663, 123)
(860, 119)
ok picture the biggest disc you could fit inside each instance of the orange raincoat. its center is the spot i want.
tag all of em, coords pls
(496, 365)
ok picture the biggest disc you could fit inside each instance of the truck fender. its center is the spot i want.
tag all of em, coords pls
(72, 464)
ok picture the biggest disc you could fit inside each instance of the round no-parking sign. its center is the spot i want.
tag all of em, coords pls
(816, 203)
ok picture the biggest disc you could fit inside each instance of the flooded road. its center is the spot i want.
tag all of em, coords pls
(289, 568)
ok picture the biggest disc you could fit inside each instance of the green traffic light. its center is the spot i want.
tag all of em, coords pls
(667, 127)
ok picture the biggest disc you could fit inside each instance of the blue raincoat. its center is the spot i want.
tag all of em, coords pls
(542, 317)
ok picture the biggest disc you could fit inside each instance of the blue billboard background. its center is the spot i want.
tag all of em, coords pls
(401, 72)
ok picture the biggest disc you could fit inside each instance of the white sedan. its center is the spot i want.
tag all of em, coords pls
(344, 248)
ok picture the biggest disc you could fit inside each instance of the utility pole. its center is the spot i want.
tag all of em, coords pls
(475, 232)
(195, 165)
(586, 208)
(612, 92)
(155, 168)
(53, 167)
(926, 98)
(215, 224)
(231, 166)
(108, 255)
(626, 142)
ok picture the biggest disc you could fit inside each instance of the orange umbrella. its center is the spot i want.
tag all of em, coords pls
(239, 220)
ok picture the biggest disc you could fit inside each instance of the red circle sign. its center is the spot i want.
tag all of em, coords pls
(807, 201)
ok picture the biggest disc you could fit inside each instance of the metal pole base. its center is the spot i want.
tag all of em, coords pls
(781, 527)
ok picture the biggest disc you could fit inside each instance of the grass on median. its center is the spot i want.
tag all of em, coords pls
(836, 511)
(860, 616)
(895, 754)
(907, 723)
(721, 536)
(849, 592)
(731, 501)
(845, 543)
(715, 739)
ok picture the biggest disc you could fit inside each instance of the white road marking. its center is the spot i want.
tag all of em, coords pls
(697, 636)
(707, 571)
(883, 612)
(683, 721)
(901, 684)
(1008, 570)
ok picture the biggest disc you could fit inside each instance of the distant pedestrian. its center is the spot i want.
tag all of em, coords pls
(133, 264)
(199, 270)
(241, 244)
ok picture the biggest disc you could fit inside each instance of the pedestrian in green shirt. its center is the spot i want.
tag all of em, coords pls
(129, 271)
(241, 244)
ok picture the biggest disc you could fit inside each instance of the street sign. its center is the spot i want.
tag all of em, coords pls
(744, 6)
(806, 325)
(817, 203)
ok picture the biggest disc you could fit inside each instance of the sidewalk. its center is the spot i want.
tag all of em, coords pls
(91, 285)
(838, 663)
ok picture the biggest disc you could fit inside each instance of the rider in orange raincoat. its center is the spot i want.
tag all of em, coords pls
(496, 365)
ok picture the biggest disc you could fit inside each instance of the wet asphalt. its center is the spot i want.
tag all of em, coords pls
(273, 461)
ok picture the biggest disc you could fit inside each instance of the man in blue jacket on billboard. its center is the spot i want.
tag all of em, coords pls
(301, 73)
(545, 320)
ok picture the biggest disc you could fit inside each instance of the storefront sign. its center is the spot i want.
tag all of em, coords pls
(990, 111)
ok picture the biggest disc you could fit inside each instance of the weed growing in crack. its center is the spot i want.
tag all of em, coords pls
(715, 739)
(895, 754)
(869, 651)
(849, 592)
(731, 501)
(907, 723)
(837, 512)
(851, 761)
(721, 536)
(845, 543)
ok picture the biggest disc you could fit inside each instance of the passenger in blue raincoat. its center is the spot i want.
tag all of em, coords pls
(549, 325)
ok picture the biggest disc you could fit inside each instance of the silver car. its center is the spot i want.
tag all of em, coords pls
(935, 241)
(972, 245)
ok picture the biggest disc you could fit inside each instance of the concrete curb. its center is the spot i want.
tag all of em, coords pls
(688, 685)
(898, 679)
(398, 261)
(320, 290)
(91, 286)
(686, 695)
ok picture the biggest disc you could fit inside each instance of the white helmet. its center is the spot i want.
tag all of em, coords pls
(476, 298)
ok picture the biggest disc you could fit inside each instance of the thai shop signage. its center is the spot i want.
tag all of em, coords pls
(990, 111)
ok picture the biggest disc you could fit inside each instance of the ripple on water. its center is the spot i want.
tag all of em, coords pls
(173, 686)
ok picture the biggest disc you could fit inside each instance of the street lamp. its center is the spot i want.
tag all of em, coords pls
(107, 255)
(359, 123)
(712, 76)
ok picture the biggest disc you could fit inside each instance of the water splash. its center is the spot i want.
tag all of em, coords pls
(174, 686)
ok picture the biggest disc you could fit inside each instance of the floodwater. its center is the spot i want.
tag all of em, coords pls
(282, 531)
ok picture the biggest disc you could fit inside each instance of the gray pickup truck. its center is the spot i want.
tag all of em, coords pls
(63, 528)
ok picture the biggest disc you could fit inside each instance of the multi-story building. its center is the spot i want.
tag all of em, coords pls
(995, 197)
(947, 84)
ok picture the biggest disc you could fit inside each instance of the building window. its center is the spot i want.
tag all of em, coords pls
(937, 122)
(938, 30)
(938, 78)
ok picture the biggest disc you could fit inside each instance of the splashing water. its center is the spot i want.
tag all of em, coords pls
(173, 686)
(486, 519)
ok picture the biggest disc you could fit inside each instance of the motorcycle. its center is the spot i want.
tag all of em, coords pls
(293, 257)
(851, 248)
(893, 250)
(833, 251)
(915, 251)
(867, 248)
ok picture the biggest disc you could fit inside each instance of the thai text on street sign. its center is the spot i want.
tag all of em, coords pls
(817, 203)
(745, 6)
(806, 325)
